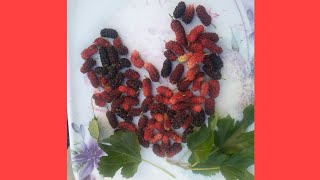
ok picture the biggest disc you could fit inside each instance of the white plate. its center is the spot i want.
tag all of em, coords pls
(143, 25)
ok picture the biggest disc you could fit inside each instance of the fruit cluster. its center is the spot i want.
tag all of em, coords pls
(192, 63)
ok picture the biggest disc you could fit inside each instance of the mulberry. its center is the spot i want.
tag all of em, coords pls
(176, 74)
(180, 96)
(214, 88)
(113, 55)
(159, 126)
(125, 106)
(165, 143)
(134, 84)
(101, 71)
(188, 14)
(215, 62)
(127, 126)
(174, 136)
(170, 55)
(142, 141)
(145, 103)
(147, 88)
(211, 46)
(93, 79)
(197, 81)
(177, 27)
(103, 81)
(198, 118)
(186, 132)
(166, 122)
(166, 68)
(158, 107)
(196, 108)
(209, 106)
(204, 89)
(175, 47)
(109, 33)
(157, 116)
(184, 58)
(115, 93)
(116, 104)
(165, 91)
(210, 36)
(181, 106)
(142, 123)
(174, 149)
(87, 65)
(117, 80)
(179, 10)
(195, 33)
(122, 113)
(187, 122)
(131, 74)
(191, 73)
(215, 75)
(134, 112)
(204, 17)
(112, 72)
(136, 59)
(124, 63)
(131, 101)
(148, 132)
(197, 100)
(153, 72)
(161, 99)
(129, 91)
(112, 119)
(157, 149)
(99, 99)
(87, 53)
(102, 42)
(195, 59)
(155, 138)
(105, 61)
(117, 43)
(195, 47)
(183, 85)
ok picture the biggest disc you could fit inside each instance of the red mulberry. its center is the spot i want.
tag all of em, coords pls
(113, 55)
(100, 99)
(166, 68)
(195, 33)
(127, 126)
(175, 47)
(125, 106)
(155, 138)
(211, 46)
(134, 112)
(180, 106)
(165, 91)
(174, 149)
(157, 116)
(161, 99)
(210, 36)
(188, 14)
(183, 85)
(184, 58)
(177, 27)
(204, 17)
(134, 84)
(122, 49)
(129, 91)
(147, 88)
(87, 53)
(197, 81)
(131, 101)
(158, 107)
(166, 122)
(153, 72)
(196, 108)
(87, 65)
(116, 104)
(93, 79)
(142, 123)
(112, 119)
(157, 149)
(191, 73)
(141, 139)
(179, 10)
(214, 88)
(170, 55)
(187, 122)
(195, 59)
(195, 47)
(197, 100)
(159, 126)
(103, 81)
(136, 59)
(145, 103)
(209, 106)
(176, 74)
(204, 89)
(109, 33)
(180, 96)
(102, 42)
(165, 143)
(174, 136)
(198, 118)
(131, 74)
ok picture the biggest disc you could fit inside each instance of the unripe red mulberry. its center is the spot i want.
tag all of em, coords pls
(195, 47)
(166, 122)
(156, 148)
(180, 96)
(184, 58)
(204, 89)
(131, 74)
(174, 149)
(176, 74)
(136, 59)
(155, 138)
(170, 55)
(147, 88)
(177, 27)
(153, 72)
(209, 106)
(183, 85)
(175, 47)
(127, 126)
(93, 79)
(87, 65)
(159, 126)
(211, 46)
(197, 81)
(122, 50)
(112, 119)
(195, 33)
(204, 17)
(214, 88)
(188, 14)
(165, 91)
(195, 59)
(191, 73)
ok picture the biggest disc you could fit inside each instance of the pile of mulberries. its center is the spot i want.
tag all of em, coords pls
(192, 64)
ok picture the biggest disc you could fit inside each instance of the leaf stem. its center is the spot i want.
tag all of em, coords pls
(204, 169)
(93, 109)
(193, 165)
(184, 155)
(217, 149)
(159, 168)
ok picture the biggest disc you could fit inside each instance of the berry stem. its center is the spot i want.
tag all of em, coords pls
(213, 25)
(94, 115)
(159, 168)
(171, 16)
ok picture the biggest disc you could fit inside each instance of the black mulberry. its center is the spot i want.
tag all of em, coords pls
(124, 63)
(179, 10)
(101, 70)
(198, 118)
(166, 68)
(113, 55)
(117, 80)
(105, 61)
(110, 33)
(134, 84)
(112, 119)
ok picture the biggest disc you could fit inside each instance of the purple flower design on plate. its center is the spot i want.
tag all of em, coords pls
(88, 157)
